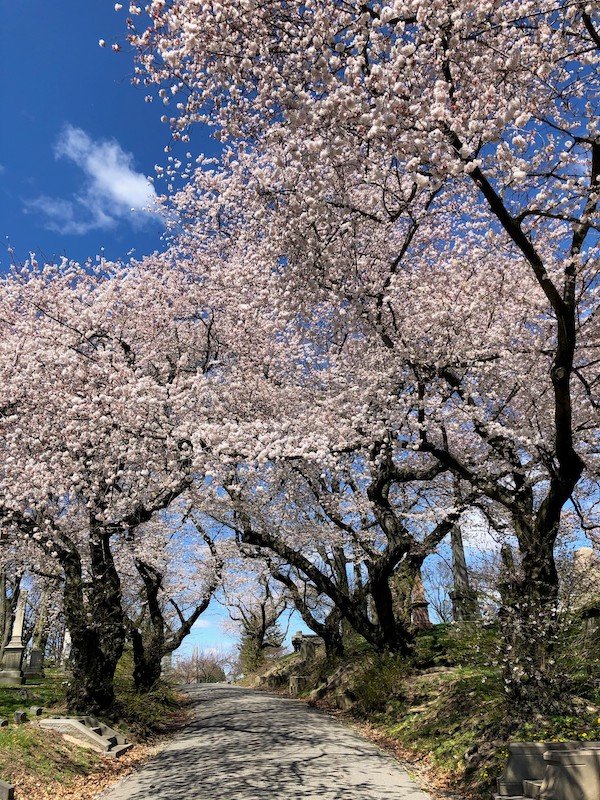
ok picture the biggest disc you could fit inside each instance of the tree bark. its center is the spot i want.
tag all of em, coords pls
(96, 625)
(152, 641)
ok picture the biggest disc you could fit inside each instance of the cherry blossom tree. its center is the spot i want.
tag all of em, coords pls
(380, 160)
(101, 369)
(340, 536)
(256, 608)
(173, 572)
(203, 666)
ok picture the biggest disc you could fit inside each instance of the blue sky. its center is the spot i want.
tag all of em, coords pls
(77, 139)
(76, 143)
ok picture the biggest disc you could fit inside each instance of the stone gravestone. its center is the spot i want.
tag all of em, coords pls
(66, 650)
(35, 669)
(307, 645)
(11, 673)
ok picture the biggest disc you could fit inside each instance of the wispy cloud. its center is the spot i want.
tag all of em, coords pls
(112, 191)
(202, 624)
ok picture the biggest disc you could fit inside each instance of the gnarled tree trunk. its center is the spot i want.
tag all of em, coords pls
(96, 623)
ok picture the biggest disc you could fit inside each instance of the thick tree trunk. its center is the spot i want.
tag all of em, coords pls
(149, 645)
(147, 661)
(150, 640)
(529, 621)
(395, 634)
(40, 629)
(332, 635)
(97, 628)
(403, 582)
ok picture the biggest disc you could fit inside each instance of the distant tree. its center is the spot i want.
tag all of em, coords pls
(256, 607)
(202, 666)
(178, 572)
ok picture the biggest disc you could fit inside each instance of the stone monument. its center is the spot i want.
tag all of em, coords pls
(35, 669)
(419, 606)
(464, 599)
(11, 673)
(166, 665)
(66, 650)
(586, 579)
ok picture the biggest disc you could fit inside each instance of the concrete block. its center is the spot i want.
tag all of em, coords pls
(318, 693)
(526, 763)
(20, 717)
(120, 750)
(3, 723)
(571, 775)
(344, 699)
(297, 684)
(36, 711)
(532, 789)
(91, 733)
(7, 791)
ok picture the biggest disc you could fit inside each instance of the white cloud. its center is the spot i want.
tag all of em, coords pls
(112, 190)
(202, 624)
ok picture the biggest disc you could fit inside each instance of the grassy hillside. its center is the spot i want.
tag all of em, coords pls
(42, 764)
(445, 711)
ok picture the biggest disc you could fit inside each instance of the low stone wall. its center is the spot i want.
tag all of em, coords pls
(551, 771)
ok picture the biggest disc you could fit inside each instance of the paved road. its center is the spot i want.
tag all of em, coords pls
(246, 745)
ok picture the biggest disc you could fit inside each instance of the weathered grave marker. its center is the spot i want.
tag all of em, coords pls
(11, 673)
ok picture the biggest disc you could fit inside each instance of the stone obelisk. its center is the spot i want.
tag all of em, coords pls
(11, 673)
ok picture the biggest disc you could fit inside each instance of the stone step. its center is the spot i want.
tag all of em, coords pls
(103, 730)
(509, 788)
(509, 797)
(532, 789)
(76, 728)
(120, 750)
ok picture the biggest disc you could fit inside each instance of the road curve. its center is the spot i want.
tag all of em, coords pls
(248, 745)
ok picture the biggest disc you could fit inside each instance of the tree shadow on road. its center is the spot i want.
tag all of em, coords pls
(252, 746)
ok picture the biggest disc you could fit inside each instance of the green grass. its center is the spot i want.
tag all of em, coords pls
(29, 750)
(458, 712)
(31, 757)
(145, 716)
(447, 704)
(50, 693)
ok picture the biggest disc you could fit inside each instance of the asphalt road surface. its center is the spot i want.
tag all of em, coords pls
(248, 745)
